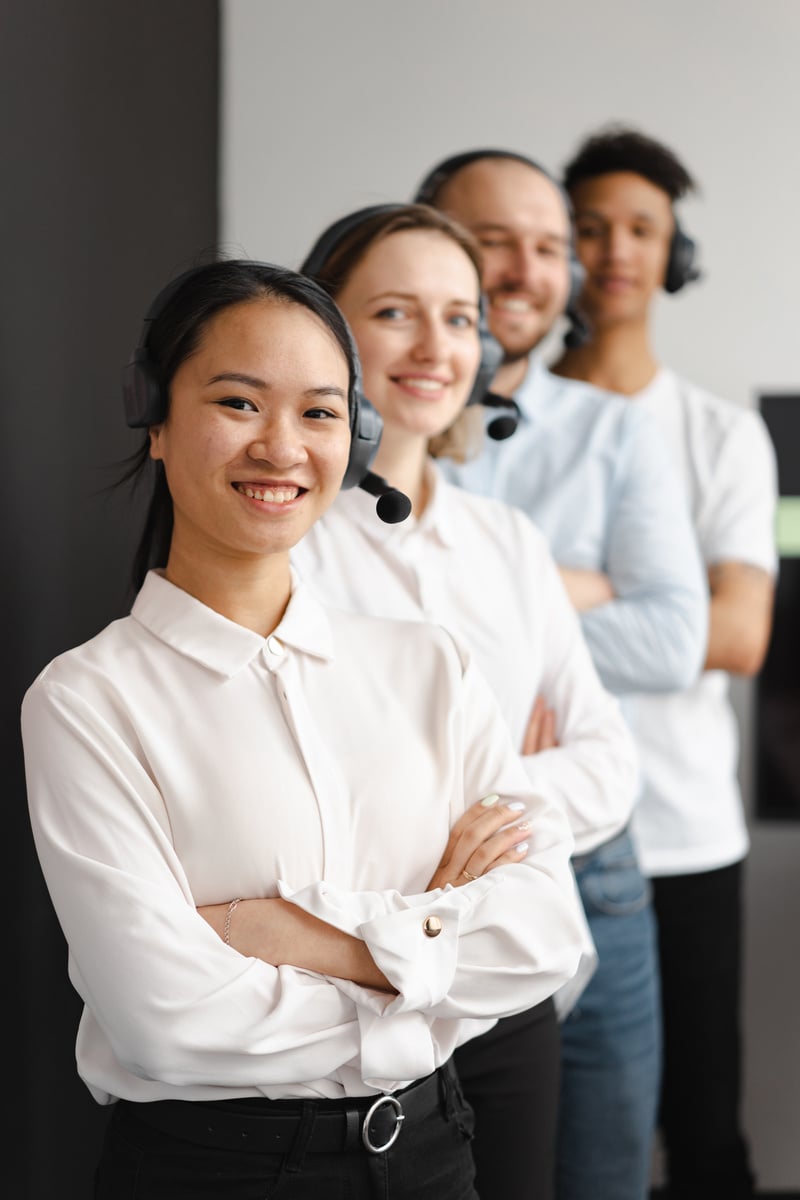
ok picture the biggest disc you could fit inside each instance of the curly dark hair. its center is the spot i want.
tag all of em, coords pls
(620, 148)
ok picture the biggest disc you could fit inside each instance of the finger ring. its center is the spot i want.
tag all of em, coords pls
(467, 875)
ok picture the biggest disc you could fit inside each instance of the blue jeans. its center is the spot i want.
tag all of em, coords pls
(611, 1041)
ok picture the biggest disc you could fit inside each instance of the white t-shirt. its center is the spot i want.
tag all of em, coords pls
(178, 759)
(690, 816)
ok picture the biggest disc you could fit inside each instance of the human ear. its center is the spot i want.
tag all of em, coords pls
(154, 433)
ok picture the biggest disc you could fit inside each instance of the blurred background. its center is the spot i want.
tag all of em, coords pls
(138, 135)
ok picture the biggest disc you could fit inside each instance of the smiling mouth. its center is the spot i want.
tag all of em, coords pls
(283, 495)
(513, 304)
(420, 383)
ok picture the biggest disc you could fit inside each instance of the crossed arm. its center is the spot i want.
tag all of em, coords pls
(486, 836)
(740, 618)
(586, 589)
(740, 612)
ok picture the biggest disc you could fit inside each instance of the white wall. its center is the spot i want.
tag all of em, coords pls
(329, 106)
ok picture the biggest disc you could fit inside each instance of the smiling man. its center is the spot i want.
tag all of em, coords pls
(591, 471)
(689, 825)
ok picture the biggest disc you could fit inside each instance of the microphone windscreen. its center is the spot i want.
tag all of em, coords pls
(500, 428)
(393, 506)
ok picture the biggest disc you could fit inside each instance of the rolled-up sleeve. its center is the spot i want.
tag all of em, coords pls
(509, 939)
(173, 1008)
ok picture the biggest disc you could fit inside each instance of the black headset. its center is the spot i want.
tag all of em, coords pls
(491, 351)
(428, 189)
(682, 265)
(145, 402)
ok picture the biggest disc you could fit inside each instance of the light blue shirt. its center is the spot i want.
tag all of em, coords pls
(591, 471)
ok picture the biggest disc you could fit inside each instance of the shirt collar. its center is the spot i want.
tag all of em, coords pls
(200, 633)
(437, 521)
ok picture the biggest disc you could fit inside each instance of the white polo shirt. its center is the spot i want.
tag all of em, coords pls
(178, 759)
(690, 816)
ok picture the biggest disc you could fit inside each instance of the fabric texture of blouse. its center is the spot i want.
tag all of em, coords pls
(482, 569)
(178, 759)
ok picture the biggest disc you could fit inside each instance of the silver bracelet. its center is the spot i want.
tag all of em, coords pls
(226, 929)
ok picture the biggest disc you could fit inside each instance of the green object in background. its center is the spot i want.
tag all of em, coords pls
(787, 526)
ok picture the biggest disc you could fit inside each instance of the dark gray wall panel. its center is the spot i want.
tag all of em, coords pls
(109, 142)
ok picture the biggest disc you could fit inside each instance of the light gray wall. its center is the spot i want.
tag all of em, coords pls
(330, 106)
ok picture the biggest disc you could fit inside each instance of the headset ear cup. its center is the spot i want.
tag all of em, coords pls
(490, 360)
(681, 267)
(366, 427)
(578, 331)
(141, 392)
(366, 424)
(577, 278)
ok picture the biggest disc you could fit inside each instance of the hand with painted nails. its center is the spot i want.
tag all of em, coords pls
(489, 834)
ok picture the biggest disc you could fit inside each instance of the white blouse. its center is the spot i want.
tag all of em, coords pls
(482, 569)
(178, 759)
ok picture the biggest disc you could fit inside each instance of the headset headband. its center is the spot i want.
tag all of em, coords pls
(448, 167)
(330, 238)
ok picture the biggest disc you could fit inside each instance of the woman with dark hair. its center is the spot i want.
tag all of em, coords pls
(233, 738)
(407, 279)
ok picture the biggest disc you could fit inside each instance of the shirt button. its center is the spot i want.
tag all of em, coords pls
(274, 645)
(432, 926)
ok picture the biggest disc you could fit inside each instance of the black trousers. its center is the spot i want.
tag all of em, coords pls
(510, 1078)
(291, 1150)
(700, 936)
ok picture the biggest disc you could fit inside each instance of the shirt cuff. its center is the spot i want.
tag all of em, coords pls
(414, 940)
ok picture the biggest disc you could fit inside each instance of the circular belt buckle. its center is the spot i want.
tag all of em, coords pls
(399, 1118)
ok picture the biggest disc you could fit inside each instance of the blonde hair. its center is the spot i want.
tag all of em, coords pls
(462, 440)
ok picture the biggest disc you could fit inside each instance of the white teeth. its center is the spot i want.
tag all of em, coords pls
(424, 385)
(513, 305)
(270, 495)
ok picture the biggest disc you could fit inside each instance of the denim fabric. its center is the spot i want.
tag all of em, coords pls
(611, 1040)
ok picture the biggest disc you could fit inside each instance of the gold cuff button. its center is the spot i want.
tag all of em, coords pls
(432, 926)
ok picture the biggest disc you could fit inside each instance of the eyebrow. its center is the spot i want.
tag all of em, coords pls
(597, 215)
(239, 377)
(414, 296)
(326, 389)
(492, 227)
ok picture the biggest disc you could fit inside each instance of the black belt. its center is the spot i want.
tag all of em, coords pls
(274, 1126)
